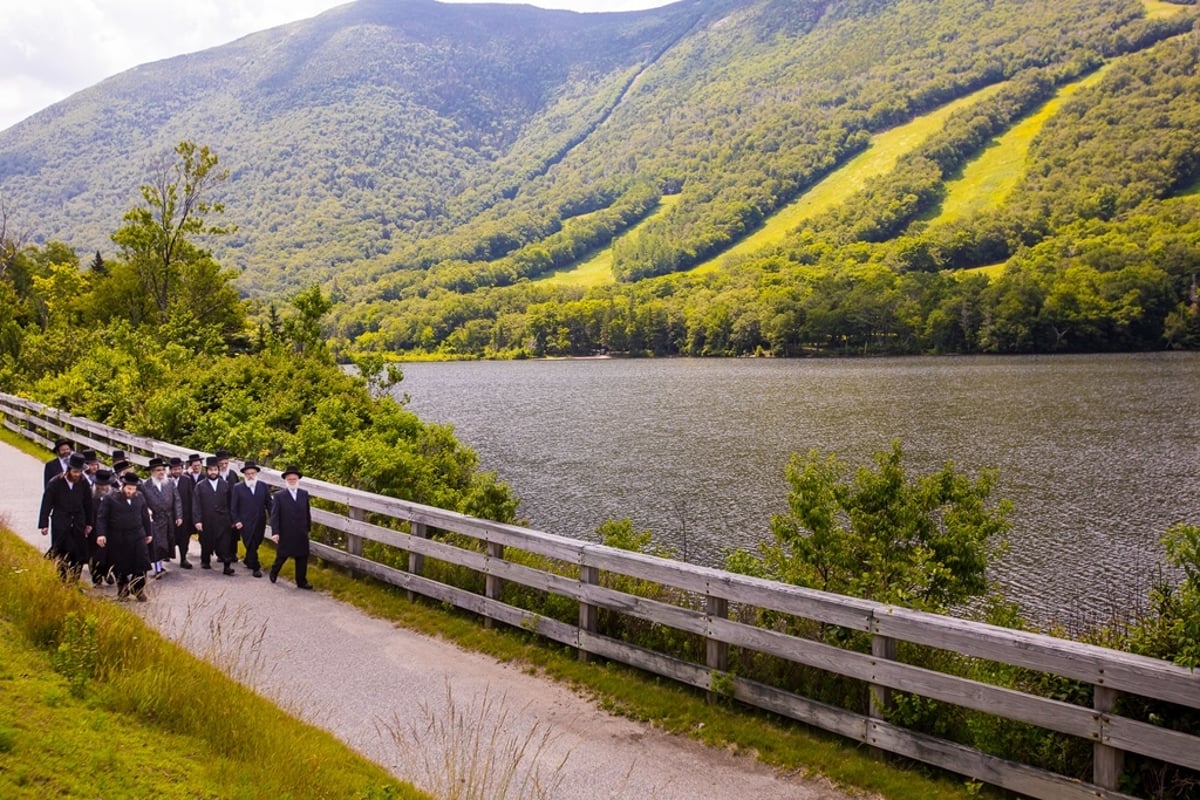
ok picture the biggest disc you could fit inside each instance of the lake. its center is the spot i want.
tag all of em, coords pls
(1100, 454)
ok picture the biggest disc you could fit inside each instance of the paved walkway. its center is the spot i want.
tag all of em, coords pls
(383, 689)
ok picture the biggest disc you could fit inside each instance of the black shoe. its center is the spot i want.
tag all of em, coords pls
(257, 572)
(205, 565)
(273, 576)
(305, 585)
(230, 570)
(185, 564)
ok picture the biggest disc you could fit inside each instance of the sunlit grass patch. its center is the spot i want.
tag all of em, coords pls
(99, 705)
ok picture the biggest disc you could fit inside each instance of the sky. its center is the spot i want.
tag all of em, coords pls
(50, 49)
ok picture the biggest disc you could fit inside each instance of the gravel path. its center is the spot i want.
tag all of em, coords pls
(406, 700)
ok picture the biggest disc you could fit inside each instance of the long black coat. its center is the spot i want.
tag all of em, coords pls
(251, 509)
(211, 509)
(291, 521)
(125, 524)
(165, 507)
(67, 511)
(187, 493)
(53, 467)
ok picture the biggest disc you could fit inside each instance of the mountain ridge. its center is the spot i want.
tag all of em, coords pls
(404, 155)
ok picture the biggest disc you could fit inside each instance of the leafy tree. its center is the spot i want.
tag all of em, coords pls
(155, 239)
(922, 542)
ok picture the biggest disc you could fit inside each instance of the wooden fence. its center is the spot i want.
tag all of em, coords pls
(699, 601)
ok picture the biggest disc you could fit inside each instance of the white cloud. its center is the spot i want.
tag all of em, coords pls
(54, 48)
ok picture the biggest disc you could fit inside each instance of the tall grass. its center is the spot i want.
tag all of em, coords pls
(231, 742)
(472, 751)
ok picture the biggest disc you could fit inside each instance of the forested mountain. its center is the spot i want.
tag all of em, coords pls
(427, 163)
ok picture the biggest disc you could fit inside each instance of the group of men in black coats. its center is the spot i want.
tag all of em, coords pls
(122, 526)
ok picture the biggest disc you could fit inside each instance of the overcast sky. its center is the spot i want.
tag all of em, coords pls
(50, 49)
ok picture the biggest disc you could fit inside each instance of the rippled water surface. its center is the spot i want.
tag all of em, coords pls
(1100, 454)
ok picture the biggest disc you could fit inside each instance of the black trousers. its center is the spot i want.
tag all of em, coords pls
(252, 540)
(183, 539)
(220, 543)
(301, 567)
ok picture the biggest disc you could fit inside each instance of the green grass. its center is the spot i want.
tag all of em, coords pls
(597, 269)
(990, 178)
(880, 157)
(96, 704)
(1156, 9)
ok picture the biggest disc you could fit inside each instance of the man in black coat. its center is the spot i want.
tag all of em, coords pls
(211, 507)
(123, 530)
(249, 508)
(185, 486)
(102, 488)
(66, 515)
(58, 464)
(291, 521)
(166, 509)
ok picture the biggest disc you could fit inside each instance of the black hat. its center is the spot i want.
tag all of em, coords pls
(103, 476)
(90, 456)
(121, 466)
(157, 462)
(76, 461)
(60, 442)
(175, 461)
(118, 455)
(249, 465)
(292, 470)
(129, 479)
(193, 458)
(211, 461)
(223, 455)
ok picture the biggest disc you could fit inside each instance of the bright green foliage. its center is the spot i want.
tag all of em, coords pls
(95, 344)
(1172, 629)
(156, 240)
(921, 542)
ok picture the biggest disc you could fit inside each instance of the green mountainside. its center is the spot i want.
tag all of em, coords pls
(429, 163)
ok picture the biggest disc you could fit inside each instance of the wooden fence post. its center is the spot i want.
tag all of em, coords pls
(416, 561)
(717, 652)
(354, 542)
(879, 698)
(1107, 762)
(589, 615)
(493, 585)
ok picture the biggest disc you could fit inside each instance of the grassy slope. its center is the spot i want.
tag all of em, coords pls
(880, 157)
(991, 177)
(143, 724)
(597, 269)
(984, 183)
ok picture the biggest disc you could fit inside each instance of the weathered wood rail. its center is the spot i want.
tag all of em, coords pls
(706, 597)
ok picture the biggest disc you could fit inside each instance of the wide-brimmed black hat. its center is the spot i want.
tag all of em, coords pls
(129, 479)
(193, 458)
(250, 465)
(121, 466)
(118, 455)
(103, 476)
(292, 470)
(90, 455)
(211, 461)
(76, 461)
(59, 443)
(157, 462)
(175, 461)
(223, 455)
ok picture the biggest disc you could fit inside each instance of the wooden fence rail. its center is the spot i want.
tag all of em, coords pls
(700, 602)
